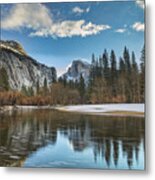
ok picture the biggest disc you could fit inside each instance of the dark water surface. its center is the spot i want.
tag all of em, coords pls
(46, 138)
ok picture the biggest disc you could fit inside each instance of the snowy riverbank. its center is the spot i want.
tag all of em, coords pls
(106, 109)
(97, 109)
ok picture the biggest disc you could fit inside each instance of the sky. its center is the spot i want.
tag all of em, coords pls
(58, 33)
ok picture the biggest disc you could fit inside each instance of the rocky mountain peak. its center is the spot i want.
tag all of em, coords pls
(77, 68)
(22, 70)
(13, 46)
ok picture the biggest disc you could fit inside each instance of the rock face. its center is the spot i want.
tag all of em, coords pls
(22, 70)
(77, 68)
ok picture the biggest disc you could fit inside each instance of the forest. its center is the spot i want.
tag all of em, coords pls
(111, 80)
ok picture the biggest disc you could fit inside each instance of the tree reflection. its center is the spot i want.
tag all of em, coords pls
(109, 137)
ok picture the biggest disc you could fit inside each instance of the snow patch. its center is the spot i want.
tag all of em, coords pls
(101, 108)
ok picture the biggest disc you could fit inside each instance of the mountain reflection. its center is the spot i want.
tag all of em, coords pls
(115, 141)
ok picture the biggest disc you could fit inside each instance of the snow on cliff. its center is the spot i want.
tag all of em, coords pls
(77, 68)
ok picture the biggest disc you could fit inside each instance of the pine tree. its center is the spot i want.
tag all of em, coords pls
(4, 80)
(97, 69)
(76, 84)
(134, 64)
(54, 75)
(45, 88)
(121, 80)
(93, 60)
(142, 59)
(37, 87)
(128, 92)
(142, 75)
(93, 68)
(45, 83)
(126, 57)
(105, 65)
(82, 88)
(113, 73)
(121, 66)
(134, 80)
(64, 81)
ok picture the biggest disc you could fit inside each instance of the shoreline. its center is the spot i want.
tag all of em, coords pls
(118, 113)
(121, 110)
(112, 113)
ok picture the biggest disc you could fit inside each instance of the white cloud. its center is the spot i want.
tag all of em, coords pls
(121, 30)
(71, 28)
(27, 15)
(79, 10)
(87, 9)
(39, 19)
(140, 3)
(138, 26)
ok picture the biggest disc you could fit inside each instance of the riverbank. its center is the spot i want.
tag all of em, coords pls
(106, 109)
(4, 109)
(98, 109)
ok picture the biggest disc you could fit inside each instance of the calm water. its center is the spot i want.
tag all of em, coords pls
(45, 138)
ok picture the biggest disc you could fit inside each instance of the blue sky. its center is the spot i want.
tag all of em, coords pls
(57, 33)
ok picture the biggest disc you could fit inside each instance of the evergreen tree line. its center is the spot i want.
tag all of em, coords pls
(111, 80)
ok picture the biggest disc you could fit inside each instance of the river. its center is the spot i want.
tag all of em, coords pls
(49, 138)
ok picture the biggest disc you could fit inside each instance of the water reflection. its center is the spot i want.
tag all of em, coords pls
(43, 138)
